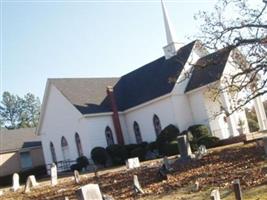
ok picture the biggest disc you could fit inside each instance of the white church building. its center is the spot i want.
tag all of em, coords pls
(79, 114)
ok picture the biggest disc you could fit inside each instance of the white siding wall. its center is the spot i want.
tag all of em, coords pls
(144, 117)
(60, 119)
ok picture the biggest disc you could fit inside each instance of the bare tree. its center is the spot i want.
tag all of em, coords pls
(239, 26)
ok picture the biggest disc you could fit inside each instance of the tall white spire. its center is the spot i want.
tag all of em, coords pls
(172, 46)
(170, 32)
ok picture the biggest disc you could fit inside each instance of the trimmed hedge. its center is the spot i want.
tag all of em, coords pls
(199, 130)
(38, 172)
(139, 152)
(153, 146)
(167, 135)
(170, 149)
(99, 155)
(82, 161)
(118, 153)
(208, 141)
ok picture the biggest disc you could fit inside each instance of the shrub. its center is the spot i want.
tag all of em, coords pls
(76, 167)
(253, 125)
(118, 153)
(99, 155)
(139, 152)
(152, 146)
(167, 135)
(199, 130)
(82, 161)
(130, 147)
(208, 141)
(143, 144)
(188, 134)
(170, 149)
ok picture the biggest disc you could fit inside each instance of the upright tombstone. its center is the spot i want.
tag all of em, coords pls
(53, 173)
(265, 144)
(15, 180)
(137, 186)
(132, 163)
(76, 176)
(237, 189)
(166, 164)
(184, 148)
(215, 195)
(30, 183)
(89, 191)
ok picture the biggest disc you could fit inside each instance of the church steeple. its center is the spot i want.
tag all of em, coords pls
(172, 46)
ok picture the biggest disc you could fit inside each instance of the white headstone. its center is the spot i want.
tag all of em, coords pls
(76, 176)
(53, 174)
(215, 195)
(1, 192)
(137, 186)
(30, 183)
(89, 191)
(15, 185)
(132, 163)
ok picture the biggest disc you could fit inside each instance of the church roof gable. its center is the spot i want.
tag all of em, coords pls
(208, 69)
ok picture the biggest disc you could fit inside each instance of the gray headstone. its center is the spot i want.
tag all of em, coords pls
(162, 173)
(184, 147)
(30, 183)
(265, 145)
(132, 163)
(137, 186)
(201, 151)
(237, 189)
(76, 176)
(215, 195)
(89, 192)
(166, 164)
(53, 172)
(15, 185)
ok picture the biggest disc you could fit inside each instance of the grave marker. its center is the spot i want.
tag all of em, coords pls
(15, 185)
(53, 174)
(166, 164)
(237, 189)
(76, 176)
(31, 182)
(137, 186)
(215, 195)
(132, 163)
(89, 191)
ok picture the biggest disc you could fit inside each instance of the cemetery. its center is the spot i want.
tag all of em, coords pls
(237, 171)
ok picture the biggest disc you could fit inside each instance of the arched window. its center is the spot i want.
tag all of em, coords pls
(78, 144)
(109, 136)
(137, 133)
(53, 153)
(65, 148)
(157, 125)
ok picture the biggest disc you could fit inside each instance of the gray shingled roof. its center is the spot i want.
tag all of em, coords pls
(150, 81)
(12, 140)
(208, 69)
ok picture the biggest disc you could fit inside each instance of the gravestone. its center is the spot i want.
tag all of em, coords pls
(162, 174)
(15, 185)
(265, 145)
(1, 192)
(237, 189)
(184, 148)
(132, 163)
(137, 186)
(31, 183)
(89, 191)
(196, 186)
(201, 151)
(166, 164)
(53, 172)
(215, 195)
(76, 176)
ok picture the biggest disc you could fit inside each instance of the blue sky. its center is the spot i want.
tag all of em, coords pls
(48, 39)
